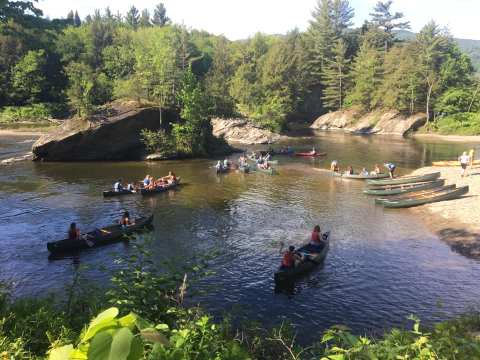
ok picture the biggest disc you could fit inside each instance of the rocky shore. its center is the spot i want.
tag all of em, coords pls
(243, 131)
(457, 222)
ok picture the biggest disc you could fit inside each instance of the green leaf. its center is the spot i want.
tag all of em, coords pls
(128, 321)
(102, 326)
(154, 336)
(121, 343)
(61, 353)
(102, 321)
(100, 346)
(136, 349)
(162, 327)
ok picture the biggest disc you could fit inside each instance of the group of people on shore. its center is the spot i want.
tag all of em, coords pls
(466, 161)
(292, 257)
(334, 166)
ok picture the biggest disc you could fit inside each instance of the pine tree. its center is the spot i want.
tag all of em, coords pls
(160, 17)
(132, 17)
(334, 78)
(76, 20)
(145, 18)
(70, 19)
(383, 19)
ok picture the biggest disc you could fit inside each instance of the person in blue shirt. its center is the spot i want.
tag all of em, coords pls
(391, 169)
(146, 181)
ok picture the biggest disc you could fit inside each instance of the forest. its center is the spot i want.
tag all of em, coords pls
(73, 66)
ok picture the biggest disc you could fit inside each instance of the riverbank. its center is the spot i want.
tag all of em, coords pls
(449, 138)
(456, 222)
(25, 131)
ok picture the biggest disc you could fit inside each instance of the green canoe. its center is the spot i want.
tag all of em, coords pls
(427, 199)
(414, 194)
(405, 179)
(359, 176)
(404, 188)
(270, 171)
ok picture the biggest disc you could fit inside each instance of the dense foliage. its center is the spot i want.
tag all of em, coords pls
(270, 78)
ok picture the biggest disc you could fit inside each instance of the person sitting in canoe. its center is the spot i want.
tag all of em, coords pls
(226, 163)
(290, 257)
(73, 232)
(313, 152)
(391, 169)
(219, 166)
(146, 181)
(334, 166)
(118, 186)
(364, 172)
(264, 165)
(349, 170)
(376, 170)
(316, 242)
(125, 219)
(130, 187)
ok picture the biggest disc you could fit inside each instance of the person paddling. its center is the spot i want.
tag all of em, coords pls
(289, 258)
(391, 169)
(73, 232)
(316, 242)
(125, 219)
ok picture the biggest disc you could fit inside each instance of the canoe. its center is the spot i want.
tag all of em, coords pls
(98, 237)
(404, 188)
(359, 177)
(307, 154)
(251, 158)
(244, 169)
(452, 163)
(112, 193)
(270, 171)
(447, 194)
(414, 193)
(160, 189)
(405, 179)
(313, 259)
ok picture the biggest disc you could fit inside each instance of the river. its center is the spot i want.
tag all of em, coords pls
(382, 265)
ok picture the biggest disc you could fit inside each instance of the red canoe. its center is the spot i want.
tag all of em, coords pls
(310, 154)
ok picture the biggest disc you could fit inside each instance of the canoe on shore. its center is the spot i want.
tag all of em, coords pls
(112, 193)
(309, 154)
(404, 188)
(413, 194)
(359, 176)
(312, 261)
(452, 163)
(160, 189)
(98, 237)
(405, 179)
(428, 198)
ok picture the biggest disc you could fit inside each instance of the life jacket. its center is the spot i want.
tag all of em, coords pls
(316, 238)
(288, 259)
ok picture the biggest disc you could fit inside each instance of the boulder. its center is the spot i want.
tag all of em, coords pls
(115, 137)
(384, 122)
(243, 131)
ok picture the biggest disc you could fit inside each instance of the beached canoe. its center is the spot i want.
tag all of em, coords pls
(112, 193)
(405, 179)
(160, 189)
(414, 194)
(359, 176)
(452, 163)
(427, 198)
(98, 237)
(312, 260)
(404, 188)
(308, 154)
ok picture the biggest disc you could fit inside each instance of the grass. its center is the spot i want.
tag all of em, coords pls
(458, 124)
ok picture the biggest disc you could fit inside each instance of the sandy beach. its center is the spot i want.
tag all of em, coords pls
(457, 222)
(22, 132)
(451, 138)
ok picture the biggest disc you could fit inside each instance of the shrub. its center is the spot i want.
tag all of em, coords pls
(32, 113)
(158, 142)
(459, 124)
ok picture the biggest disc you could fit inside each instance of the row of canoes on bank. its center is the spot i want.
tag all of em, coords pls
(410, 191)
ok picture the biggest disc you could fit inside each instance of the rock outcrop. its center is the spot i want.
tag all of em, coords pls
(242, 131)
(389, 122)
(115, 137)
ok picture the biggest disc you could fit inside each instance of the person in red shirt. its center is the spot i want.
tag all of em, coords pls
(289, 258)
(316, 242)
(73, 232)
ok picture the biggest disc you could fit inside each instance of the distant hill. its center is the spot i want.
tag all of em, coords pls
(471, 47)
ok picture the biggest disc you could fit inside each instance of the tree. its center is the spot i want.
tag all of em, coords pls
(80, 89)
(70, 18)
(219, 78)
(29, 81)
(334, 77)
(145, 18)
(76, 19)
(100, 36)
(21, 12)
(160, 17)
(132, 17)
(383, 19)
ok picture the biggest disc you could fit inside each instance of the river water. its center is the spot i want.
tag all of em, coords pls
(382, 265)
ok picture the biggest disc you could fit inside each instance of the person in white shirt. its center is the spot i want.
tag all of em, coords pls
(464, 162)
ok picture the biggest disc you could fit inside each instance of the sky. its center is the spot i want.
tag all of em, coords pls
(238, 19)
